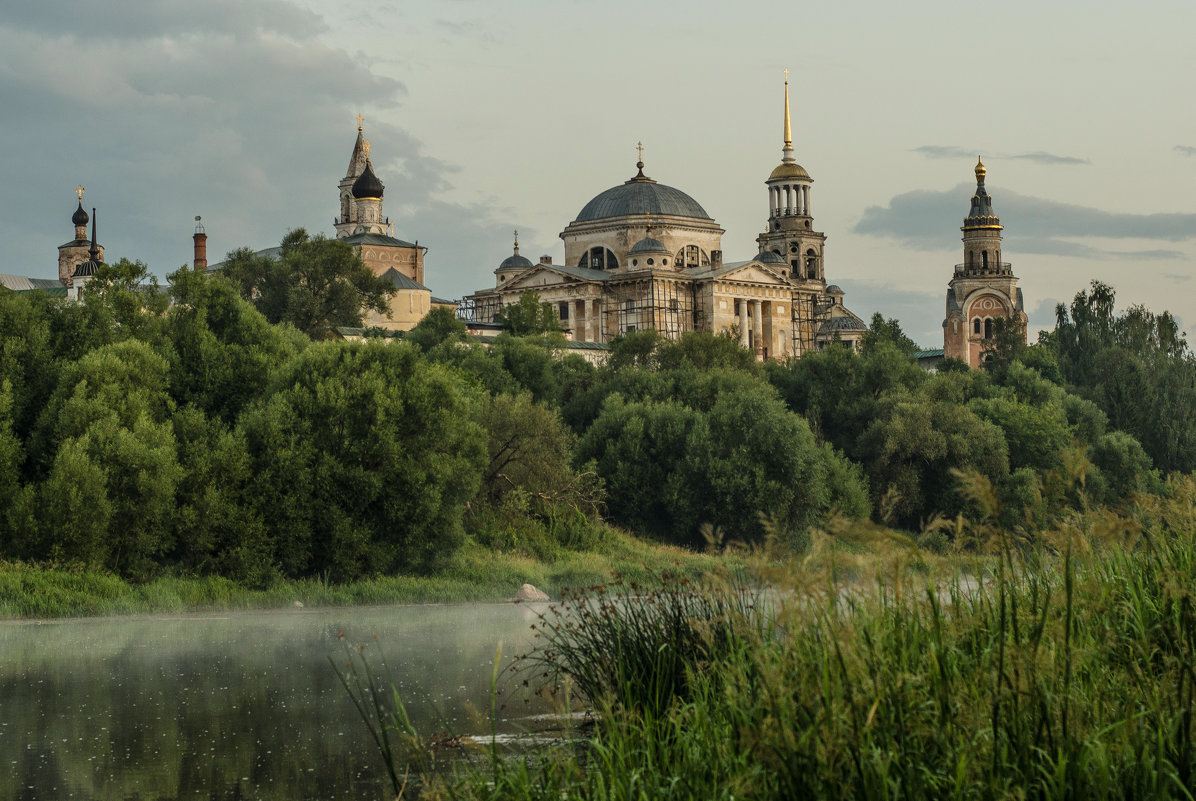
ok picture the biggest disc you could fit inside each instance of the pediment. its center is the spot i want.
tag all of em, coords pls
(540, 276)
(755, 273)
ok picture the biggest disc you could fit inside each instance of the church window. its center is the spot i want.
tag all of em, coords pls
(988, 327)
(665, 262)
(976, 326)
(690, 256)
(564, 307)
(651, 262)
(635, 262)
(811, 264)
(502, 278)
(793, 248)
(971, 258)
(984, 259)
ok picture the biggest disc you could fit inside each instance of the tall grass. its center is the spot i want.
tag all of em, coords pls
(1064, 671)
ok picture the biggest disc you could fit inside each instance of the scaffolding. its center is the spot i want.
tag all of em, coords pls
(479, 308)
(664, 304)
(805, 323)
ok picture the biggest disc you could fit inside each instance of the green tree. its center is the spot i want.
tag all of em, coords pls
(529, 316)
(315, 284)
(882, 330)
(438, 326)
(363, 456)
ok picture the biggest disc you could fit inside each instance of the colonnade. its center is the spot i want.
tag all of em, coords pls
(756, 322)
(587, 320)
(789, 200)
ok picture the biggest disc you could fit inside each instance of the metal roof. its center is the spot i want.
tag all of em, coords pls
(641, 196)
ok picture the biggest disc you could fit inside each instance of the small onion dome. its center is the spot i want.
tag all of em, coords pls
(789, 172)
(833, 289)
(80, 216)
(367, 184)
(769, 257)
(86, 269)
(648, 245)
(515, 262)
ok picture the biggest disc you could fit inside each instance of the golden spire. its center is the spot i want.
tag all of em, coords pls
(359, 119)
(787, 150)
(980, 171)
(79, 192)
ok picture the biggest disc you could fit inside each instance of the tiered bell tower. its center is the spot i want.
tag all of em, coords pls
(983, 287)
(790, 232)
(346, 222)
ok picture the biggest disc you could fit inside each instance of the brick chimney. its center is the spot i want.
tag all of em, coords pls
(201, 246)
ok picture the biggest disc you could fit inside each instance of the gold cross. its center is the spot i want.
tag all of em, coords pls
(359, 119)
(79, 192)
(366, 147)
(786, 75)
(639, 148)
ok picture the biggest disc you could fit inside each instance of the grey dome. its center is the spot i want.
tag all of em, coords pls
(768, 257)
(833, 289)
(648, 245)
(515, 262)
(86, 268)
(641, 196)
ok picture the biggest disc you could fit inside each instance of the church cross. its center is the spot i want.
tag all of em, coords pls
(79, 192)
(359, 119)
(366, 147)
(639, 148)
(516, 237)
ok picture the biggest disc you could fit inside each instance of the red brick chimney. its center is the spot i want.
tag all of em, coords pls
(201, 246)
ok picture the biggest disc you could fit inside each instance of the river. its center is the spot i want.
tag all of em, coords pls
(241, 705)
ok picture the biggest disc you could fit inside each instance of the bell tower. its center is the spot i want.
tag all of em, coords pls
(790, 233)
(983, 287)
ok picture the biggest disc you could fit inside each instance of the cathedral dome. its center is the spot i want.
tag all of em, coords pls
(515, 262)
(768, 257)
(367, 184)
(789, 172)
(648, 245)
(80, 216)
(641, 195)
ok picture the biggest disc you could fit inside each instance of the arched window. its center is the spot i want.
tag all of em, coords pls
(811, 264)
(988, 327)
(976, 326)
(690, 256)
(598, 258)
(984, 258)
(971, 258)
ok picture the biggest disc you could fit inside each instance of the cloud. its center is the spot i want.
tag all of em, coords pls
(1185, 150)
(1037, 156)
(235, 111)
(920, 219)
(1181, 277)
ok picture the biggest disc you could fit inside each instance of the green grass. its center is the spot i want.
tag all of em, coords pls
(1062, 671)
(473, 574)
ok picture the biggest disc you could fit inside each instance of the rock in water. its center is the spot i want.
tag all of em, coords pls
(529, 593)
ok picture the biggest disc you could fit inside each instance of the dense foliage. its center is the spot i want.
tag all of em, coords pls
(193, 429)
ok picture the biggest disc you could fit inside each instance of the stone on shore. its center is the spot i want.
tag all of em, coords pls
(529, 593)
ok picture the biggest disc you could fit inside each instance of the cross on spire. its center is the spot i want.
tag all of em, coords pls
(79, 192)
(516, 237)
(359, 119)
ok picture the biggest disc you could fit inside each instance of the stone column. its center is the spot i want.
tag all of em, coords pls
(806, 191)
(758, 326)
(579, 321)
(596, 321)
(743, 322)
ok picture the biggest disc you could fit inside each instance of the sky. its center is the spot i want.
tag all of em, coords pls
(488, 117)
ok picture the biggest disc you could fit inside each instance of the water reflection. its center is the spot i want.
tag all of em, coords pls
(244, 705)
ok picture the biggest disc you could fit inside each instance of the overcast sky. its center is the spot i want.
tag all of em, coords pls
(486, 117)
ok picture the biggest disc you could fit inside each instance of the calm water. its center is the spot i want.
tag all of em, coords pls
(240, 705)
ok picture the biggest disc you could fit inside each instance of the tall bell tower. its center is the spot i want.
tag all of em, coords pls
(790, 233)
(983, 287)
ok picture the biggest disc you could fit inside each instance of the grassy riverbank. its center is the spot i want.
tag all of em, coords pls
(1065, 672)
(474, 573)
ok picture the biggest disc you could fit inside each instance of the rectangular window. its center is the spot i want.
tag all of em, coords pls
(564, 306)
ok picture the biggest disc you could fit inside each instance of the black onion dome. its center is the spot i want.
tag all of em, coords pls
(80, 216)
(367, 184)
(641, 195)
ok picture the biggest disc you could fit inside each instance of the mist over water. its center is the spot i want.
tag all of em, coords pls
(240, 705)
